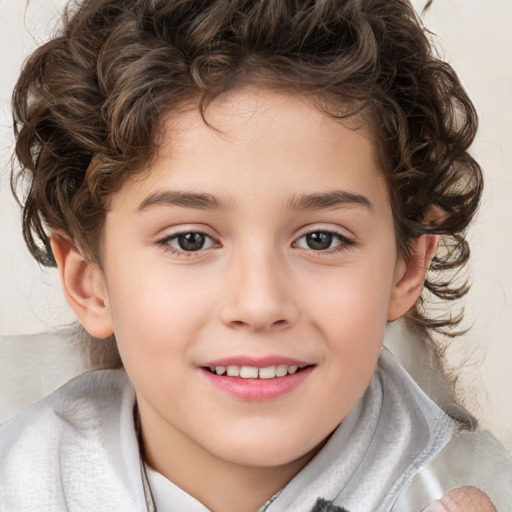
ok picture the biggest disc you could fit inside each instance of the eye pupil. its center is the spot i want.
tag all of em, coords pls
(319, 240)
(191, 241)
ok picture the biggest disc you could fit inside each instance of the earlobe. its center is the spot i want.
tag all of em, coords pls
(84, 287)
(410, 276)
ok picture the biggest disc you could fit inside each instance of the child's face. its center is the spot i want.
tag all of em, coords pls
(267, 243)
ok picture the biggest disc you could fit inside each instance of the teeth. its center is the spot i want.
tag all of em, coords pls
(233, 371)
(252, 372)
(281, 370)
(248, 372)
(267, 373)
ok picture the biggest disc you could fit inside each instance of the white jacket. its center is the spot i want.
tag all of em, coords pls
(396, 451)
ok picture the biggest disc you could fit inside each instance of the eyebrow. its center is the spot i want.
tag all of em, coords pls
(334, 199)
(203, 201)
(196, 200)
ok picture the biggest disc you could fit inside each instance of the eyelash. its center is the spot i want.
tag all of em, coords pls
(343, 242)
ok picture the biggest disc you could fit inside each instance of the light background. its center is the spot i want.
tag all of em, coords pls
(475, 37)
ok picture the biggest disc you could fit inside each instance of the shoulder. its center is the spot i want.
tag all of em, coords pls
(462, 478)
(77, 406)
(72, 402)
(58, 424)
(76, 446)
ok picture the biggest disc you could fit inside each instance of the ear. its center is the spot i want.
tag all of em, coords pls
(410, 276)
(84, 286)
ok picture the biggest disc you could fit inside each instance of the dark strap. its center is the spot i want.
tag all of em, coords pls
(322, 505)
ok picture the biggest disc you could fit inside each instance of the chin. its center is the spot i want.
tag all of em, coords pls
(268, 453)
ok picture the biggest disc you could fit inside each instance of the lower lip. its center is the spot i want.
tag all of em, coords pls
(258, 390)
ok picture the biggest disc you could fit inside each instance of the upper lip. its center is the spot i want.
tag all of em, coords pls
(257, 362)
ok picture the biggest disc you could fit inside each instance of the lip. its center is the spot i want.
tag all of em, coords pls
(257, 390)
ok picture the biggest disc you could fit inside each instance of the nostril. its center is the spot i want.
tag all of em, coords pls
(241, 323)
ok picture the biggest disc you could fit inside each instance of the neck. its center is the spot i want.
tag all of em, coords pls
(228, 488)
(218, 484)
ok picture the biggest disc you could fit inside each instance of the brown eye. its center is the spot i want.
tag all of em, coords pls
(322, 241)
(189, 242)
(319, 240)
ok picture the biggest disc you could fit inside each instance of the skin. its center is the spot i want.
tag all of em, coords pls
(467, 499)
(464, 499)
(255, 289)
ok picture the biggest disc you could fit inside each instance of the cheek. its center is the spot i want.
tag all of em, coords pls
(351, 313)
(351, 318)
(353, 300)
(156, 314)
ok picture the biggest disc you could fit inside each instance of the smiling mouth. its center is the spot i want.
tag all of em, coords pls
(253, 372)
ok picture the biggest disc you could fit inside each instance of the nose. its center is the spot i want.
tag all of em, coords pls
(258, 293)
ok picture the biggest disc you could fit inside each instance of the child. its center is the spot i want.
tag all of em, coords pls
(244, 194)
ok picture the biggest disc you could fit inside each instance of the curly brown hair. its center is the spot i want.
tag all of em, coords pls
(89, 104)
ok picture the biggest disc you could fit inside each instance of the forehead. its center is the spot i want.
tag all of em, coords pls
(252, 138)
(253, 117)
